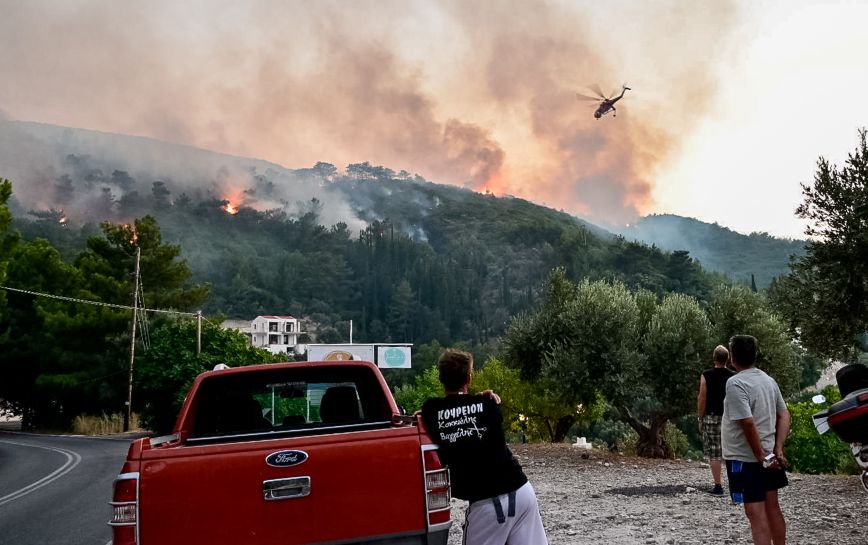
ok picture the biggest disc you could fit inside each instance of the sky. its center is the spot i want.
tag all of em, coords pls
(731, 102)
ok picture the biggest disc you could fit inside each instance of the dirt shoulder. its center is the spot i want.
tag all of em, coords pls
(608, 498)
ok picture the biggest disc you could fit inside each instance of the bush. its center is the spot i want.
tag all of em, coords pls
(627, 444)
(410, 397)
(676, 441)
(810, 452)
(608, 432)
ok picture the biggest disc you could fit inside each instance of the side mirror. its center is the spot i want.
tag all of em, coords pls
(819, 398)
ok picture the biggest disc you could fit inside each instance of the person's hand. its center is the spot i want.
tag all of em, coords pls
(781, 459)
(492, 395)
(700, 423)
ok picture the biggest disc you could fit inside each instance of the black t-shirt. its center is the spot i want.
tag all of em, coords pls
(469, 430)
(715, 389)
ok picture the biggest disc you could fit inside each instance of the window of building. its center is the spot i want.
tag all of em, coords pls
(273, 339)
(272, 326)
(289, 327)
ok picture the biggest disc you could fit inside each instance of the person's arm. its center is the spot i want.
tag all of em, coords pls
(753, 439)
(701, 398)
(490, 394)
(782, 430)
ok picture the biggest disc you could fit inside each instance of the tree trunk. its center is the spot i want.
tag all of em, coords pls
(651, 443)
(562, 427)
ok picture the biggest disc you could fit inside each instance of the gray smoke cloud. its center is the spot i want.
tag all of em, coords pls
(479, 94)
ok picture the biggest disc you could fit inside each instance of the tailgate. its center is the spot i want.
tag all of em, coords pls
(361, 484)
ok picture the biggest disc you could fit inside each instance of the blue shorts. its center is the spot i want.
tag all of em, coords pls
(749, 481)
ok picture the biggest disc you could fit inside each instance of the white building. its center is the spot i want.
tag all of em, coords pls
(277, 334)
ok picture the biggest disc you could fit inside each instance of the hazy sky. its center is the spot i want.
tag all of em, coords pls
(732, 102)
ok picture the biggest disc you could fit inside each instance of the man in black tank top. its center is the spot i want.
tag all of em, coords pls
(709, 409)
(469, 430)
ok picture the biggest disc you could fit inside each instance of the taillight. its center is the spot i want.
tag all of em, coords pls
(125, 509)
(437, 489)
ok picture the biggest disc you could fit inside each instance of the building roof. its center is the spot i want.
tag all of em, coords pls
(276, 317)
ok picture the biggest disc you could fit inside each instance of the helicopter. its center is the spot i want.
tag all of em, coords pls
(606, 103)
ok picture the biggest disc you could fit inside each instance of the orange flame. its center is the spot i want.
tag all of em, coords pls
(493, 186)
(229, 208)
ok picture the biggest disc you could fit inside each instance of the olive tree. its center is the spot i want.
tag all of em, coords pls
(736, 310)
(825, 296)
(598, 338)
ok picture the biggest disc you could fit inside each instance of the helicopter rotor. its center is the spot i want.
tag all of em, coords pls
(596, 88)
(580, 96)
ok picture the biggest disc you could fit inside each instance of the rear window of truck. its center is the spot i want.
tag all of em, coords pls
(294, 401)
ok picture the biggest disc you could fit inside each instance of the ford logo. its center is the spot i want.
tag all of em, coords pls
(286, 458)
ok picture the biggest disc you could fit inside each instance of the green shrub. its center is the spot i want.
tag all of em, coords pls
(810, 452)
(411, 396)
(626, 445)
(676, 441)
(608, 432)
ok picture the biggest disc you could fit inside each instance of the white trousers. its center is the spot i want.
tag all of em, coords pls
(523, 528)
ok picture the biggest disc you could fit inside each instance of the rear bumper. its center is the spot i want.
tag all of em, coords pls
(440, 537)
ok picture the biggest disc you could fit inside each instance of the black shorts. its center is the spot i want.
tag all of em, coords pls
(749, 481)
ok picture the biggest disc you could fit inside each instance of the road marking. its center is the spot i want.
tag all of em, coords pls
(72, 460)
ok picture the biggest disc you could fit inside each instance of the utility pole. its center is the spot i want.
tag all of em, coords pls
(198, 333)
(129, 414)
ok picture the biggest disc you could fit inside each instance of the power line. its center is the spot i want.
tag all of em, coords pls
(97, 303)
(143, 317)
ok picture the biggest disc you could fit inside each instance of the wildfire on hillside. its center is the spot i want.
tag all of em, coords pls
(231, 210)
(492, 186)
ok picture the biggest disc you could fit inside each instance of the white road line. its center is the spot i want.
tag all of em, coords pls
(72, 460)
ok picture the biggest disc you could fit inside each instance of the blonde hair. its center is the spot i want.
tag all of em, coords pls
(721, 354)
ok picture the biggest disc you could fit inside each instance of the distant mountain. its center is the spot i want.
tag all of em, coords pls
(718, 248)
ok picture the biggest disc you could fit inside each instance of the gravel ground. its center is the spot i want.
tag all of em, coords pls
(608, 498)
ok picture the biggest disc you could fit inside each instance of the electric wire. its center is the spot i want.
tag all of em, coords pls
(97, 303)
(143, 318)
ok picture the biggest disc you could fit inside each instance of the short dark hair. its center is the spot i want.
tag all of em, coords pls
(721, 354)
(743, 349)
(454, 367)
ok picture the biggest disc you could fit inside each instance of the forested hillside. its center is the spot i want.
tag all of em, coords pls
(406, 259)
(718, 248)
(453, 268)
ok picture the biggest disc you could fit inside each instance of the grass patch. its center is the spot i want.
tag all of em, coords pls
(104, 424)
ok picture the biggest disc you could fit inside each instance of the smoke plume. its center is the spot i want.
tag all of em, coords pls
(479, 94)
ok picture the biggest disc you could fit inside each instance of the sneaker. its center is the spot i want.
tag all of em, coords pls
(717, 490)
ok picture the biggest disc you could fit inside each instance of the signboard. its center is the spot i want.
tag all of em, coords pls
(393, 357)
(340, 352)
(388, 356)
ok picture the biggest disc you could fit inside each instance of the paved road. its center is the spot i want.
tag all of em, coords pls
(55, 489)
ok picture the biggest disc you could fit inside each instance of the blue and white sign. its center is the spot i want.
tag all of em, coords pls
(393, 357)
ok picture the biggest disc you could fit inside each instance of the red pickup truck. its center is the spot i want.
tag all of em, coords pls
(285, 454)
